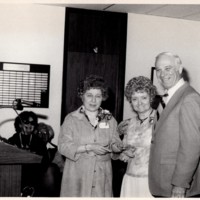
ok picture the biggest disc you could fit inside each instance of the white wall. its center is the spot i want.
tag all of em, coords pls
(151, 35)
(34, 34)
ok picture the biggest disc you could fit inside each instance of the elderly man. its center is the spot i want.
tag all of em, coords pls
(174, 169)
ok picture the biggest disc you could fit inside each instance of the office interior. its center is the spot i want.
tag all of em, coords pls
(35, 33)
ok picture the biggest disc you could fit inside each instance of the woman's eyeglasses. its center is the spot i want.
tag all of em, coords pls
(29, 122)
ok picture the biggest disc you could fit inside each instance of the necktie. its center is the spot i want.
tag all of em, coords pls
(161, 105)
(162, 101)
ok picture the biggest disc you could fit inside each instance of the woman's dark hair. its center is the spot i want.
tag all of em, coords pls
(93, 82)
(23, 117)
(45, 132)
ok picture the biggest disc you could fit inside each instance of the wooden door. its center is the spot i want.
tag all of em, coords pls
(95, 43)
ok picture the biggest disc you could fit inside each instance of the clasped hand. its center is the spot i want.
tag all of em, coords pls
(117, 147)
(127, 154)
(101, 150)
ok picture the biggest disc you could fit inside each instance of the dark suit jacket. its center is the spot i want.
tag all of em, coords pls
(175, 148)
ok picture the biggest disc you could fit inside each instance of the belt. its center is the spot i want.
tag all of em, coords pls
(99, 158)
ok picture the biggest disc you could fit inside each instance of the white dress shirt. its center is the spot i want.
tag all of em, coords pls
(172, 90)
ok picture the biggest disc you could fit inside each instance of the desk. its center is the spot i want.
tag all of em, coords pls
(11, 161)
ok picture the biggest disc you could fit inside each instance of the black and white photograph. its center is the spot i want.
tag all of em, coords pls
(100, 98)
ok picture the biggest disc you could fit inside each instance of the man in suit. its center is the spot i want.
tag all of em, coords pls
(174, 169)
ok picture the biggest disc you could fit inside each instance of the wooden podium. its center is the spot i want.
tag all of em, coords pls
(11, 161)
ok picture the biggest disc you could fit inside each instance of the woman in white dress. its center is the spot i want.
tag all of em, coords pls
(140, 93)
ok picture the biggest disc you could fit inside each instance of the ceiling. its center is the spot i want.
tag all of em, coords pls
(180, 11)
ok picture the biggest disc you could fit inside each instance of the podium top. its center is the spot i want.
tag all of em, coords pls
(12, 155)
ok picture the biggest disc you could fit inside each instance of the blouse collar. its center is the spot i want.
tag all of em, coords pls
(101, 115)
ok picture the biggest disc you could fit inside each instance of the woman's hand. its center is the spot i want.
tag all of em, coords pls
(123, 157)
(117, 147)
(130, 152)
(98, 149)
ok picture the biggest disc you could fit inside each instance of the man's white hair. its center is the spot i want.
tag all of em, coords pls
(176, 57)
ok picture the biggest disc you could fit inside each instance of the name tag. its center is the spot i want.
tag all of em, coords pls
(103, 125)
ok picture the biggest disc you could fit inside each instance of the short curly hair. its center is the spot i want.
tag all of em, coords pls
(140, 84)
(93, 82)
